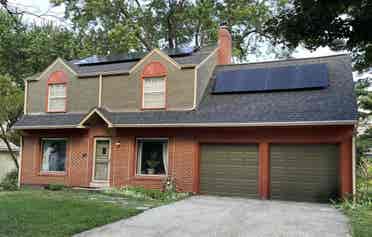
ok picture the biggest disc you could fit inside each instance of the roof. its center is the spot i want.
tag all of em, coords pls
(3, 146)
(334, 104)
(124, 67)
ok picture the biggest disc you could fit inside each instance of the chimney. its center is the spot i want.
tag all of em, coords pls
(224, 45)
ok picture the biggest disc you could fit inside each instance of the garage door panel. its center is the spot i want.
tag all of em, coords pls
(304, 172)
(230, 170)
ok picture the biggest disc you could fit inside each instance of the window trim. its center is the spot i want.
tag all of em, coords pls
(41, 155)
(154, 69)
(159, 176)
(56, 78)
(94, 159)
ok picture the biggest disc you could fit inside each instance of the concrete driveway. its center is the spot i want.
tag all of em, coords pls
(230, 217)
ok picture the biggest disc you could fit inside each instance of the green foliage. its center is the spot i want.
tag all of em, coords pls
(146, 194)
(120, 26)
(10, 182)
(55, 187)
(29, 49)
(342, 25)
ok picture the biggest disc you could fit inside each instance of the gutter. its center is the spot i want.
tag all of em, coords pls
(189, 125)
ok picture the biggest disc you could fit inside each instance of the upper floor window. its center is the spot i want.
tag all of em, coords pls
(57, 98)
(154, 86)
(57, 92)
(154, 93)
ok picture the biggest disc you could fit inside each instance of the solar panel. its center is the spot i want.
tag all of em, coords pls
(129, 57)
(310, 76)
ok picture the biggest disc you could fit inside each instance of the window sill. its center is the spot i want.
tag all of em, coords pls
(150, 177)
(56, 173)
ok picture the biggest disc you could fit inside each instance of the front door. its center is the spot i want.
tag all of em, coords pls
(101, 166)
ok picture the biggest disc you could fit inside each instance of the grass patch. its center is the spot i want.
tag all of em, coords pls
(60, 213)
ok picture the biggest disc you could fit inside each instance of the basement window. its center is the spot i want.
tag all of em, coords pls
(152, 156)
(54, 152)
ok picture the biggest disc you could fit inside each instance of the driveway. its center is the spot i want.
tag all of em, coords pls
(230, 217)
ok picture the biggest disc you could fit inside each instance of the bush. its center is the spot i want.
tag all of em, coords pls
(146, 194)
(55, 187)
(10, 182)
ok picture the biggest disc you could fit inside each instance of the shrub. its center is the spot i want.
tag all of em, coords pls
(146, 194)
(54, 187)
(10, 182)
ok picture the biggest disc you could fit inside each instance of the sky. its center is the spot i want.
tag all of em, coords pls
(39, 7)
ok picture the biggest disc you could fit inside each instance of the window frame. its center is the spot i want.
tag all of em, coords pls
(163, 77)
(56, 78)
(53, 173)
(164, 139)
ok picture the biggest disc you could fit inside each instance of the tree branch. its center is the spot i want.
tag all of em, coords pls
(4, 138)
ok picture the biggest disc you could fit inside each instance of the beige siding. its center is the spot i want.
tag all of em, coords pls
(82, 93)
(6, 164)
(123, 93)
(204, 73)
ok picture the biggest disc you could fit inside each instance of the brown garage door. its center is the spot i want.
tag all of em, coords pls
(304, 172)
(229, 170)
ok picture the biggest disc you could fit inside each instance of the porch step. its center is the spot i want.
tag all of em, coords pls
(99, 184)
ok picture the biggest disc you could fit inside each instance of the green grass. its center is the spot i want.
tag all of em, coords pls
(61, 213)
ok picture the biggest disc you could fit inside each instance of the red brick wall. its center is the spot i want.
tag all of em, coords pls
(183, 152)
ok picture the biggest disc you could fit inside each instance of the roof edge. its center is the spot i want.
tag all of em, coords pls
(258, 124)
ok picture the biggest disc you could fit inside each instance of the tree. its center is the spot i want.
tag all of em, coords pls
(341, 25)
(364, 98)
(116, 26)
(11, 100)
(28, 49)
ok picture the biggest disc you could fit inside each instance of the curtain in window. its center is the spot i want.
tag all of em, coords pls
(139, 158)
(165, 157)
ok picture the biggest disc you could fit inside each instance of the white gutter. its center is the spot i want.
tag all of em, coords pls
(308, 123)
(25, 98)
(176, 125)
(100, 91)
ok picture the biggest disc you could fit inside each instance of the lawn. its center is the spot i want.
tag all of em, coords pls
(62, 213)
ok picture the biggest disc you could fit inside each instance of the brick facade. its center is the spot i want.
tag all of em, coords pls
(183, 153)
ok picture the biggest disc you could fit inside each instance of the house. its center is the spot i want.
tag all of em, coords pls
(270, 130)
(6, 162)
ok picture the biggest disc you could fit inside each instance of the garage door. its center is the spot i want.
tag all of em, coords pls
(304, 172)
(229, 170)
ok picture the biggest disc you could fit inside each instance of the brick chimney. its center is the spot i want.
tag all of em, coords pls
(224, 45)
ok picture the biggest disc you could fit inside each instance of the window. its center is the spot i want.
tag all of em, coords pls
(153, 93)
(152, 156)
(56, 97)
(54, 155)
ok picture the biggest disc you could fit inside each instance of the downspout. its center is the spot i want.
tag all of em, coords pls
(25, 98)
(20, 161)
(354, 165)
(100, 91)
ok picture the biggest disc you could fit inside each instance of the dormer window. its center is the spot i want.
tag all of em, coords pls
(154, 86)
(57, 98)
(153, 93)
(57, 92)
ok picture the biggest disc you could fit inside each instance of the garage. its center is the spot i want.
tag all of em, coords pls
(304, 172)
(229, 170)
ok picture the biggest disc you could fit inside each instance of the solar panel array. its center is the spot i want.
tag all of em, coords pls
(299, 77)
(129, 57)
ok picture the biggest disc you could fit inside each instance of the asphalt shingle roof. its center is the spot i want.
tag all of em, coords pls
(334, 103)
